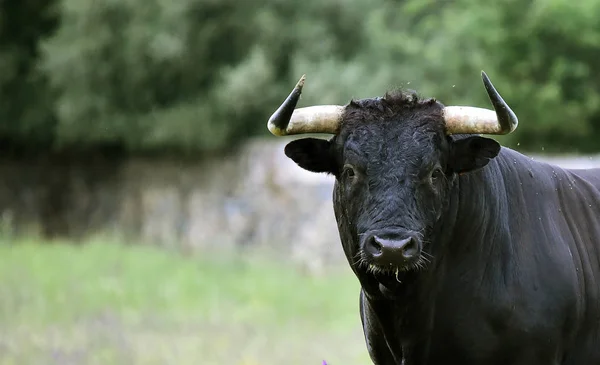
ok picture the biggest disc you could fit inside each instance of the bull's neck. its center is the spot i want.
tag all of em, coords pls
(477, 220)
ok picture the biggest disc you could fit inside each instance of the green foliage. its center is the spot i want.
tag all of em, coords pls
(197, 75)
(26, 101)
(157, 74)
(543, 62)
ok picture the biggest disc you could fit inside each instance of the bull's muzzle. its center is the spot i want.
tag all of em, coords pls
(392, 249)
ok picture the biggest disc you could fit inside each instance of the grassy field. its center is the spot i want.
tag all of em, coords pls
(106, 303)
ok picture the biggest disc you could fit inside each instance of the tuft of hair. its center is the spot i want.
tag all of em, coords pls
(397, 99)
(394, 103)
(407, 99)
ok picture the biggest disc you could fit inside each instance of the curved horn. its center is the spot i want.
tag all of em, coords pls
(314, 119)
(471, 120)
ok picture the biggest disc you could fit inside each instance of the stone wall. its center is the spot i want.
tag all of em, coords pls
(254, 198)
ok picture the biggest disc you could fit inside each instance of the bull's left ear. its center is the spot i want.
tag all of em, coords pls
(472, 153)
(311, 154)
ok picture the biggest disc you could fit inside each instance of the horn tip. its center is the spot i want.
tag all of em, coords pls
(300, 83)
(485, 77)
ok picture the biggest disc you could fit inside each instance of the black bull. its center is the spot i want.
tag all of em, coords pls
(467, 252)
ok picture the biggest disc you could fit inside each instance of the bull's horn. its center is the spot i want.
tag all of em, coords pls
(471, 120)
(314, 119)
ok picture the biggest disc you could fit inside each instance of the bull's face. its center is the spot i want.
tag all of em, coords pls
(394, 166)
(395, 160)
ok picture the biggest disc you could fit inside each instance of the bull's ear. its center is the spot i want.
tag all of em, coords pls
(311, 154)
(472, 153)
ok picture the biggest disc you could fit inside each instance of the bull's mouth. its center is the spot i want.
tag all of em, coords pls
(419, 263)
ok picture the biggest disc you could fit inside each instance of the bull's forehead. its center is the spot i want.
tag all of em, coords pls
(394, 143)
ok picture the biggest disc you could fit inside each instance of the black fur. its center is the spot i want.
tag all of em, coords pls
(512, 244)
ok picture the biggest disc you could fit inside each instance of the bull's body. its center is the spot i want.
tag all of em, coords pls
(517, 281)
(467, 253)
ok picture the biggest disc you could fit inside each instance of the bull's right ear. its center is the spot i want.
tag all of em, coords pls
(311, 154)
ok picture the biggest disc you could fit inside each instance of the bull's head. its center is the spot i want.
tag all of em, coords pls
(395, 160)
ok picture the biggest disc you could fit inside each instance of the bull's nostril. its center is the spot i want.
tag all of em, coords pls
(410, 249)
(374, 246)
(389, 250)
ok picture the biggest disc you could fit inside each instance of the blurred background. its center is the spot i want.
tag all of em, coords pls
(147, 217)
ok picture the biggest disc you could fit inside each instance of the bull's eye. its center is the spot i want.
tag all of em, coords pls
(436, 175)
(348, 172)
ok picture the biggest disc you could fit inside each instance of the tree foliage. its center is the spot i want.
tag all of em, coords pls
(201, 75)
(26, 100)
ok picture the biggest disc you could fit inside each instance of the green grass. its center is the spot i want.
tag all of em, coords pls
(107, 303)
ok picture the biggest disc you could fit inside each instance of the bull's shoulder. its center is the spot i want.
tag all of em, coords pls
(592, 176)
(519, 166)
